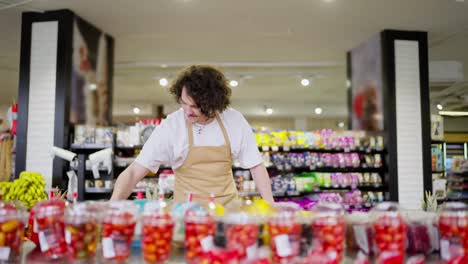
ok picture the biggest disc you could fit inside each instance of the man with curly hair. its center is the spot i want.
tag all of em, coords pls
(200, 141)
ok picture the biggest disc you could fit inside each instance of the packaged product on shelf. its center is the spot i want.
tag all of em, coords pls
(353, 199)
(377, 161)
(49, 223)
(118, 228)
(390, 232)
(104, 136)
(13, 216)
(81, 232)
(278, 184)
(300, 139)
(453, 229)
(328, 231)
(84, 135)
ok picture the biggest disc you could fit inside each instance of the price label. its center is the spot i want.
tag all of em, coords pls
(360, 234)
(108, 247)
(43, 242)
(283, 246)
(4, 253)
(207, 243)
(67, 237)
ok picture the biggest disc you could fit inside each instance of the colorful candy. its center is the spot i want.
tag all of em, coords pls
(199, 233)
(285, 235)
(242, 234)
(50, 227)
(156, 237)
(453, 229)
(12, 218)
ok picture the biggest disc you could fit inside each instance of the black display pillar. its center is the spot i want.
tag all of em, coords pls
(48, 63)
(389, 95)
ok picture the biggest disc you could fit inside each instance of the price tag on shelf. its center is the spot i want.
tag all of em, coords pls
(265, 148)
(286, 148)
(275, 148)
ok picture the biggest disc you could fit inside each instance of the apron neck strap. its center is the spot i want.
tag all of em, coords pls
(223, 129)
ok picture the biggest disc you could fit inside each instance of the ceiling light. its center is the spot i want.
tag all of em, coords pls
(269, 110)
(92, 86)
(453, 113)
(163, 65)
(440, 107)
(233, 83)
(136, 110)
(305, 82)
(328, 1)
(163, 82)
(318, 110)
(341, 124)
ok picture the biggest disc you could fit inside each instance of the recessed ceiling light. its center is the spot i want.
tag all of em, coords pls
(318, 110)
(328, 1)
(163, 65)
(305, 82)
(136, 110)
(92, 86)
(233, 83)
(440, 107)
(269, 110)
(341, 124)
(163, 82)
(453, 113)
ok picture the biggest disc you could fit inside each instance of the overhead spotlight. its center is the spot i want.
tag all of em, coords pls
(136, 110)
(341, 124)
(453, 113)
(305, 82)
(440, 107)
(163, 82)
(318, 110)
(233, 83)
(329, 1)
(269, 110)
(92, 86)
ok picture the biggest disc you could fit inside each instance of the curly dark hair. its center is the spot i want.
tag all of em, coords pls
(207, 86)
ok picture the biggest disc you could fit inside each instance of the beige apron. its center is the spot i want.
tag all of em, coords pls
(207, 169)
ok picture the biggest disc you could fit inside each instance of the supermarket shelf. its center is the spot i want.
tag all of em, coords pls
(438, 171)
(98, 190)
(321, 150)
(89, 146)
(129, 147)
(333, 169)
(437, 142)
(319, 190)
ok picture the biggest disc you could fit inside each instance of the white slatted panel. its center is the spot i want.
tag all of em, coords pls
(408, 118)
(41, 108)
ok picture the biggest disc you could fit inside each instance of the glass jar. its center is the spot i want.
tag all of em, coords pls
(13, 216)
(453, 229)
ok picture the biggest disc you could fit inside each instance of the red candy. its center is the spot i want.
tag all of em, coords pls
(82, 240)
(390, 235)
(51, 227)
(157, 237)
(198, 237)
(219, 256)
(454, 233)
(117, 235)
(11, 235)
(285, 239)
(241, 237)
(329, 236)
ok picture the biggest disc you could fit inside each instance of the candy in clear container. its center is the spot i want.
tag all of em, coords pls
(118, 228)
(50, 227)
(389, 228)
(285, 236)
(328, 231)
(200, 229)
(242, 232)
(157, 230)
(13, 216)
(453, 231)
(81, 231)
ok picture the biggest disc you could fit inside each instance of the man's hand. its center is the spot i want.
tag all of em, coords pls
(262, 181)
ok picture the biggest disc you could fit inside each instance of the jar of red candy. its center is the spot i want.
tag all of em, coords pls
(453, 229)
(118, 228)
(13, 216)
(422, 233)
(389, 228)
(328, 231)
(200, 229)
(285, 236)
(50, 227)
(81, 232)
(157, 229)
(242, 232)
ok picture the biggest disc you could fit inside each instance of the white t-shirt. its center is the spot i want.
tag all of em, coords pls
(168, 144)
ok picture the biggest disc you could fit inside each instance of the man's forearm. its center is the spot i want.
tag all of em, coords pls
(262, 181)
(125, 184)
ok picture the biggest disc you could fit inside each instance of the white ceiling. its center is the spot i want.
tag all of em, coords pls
(314, 35)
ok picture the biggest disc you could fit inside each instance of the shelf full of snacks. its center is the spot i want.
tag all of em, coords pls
(321, 165)
(457, 181)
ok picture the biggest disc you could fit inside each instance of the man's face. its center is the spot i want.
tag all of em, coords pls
(191, 110)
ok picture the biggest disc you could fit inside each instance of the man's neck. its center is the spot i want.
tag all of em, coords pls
(205, 121)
